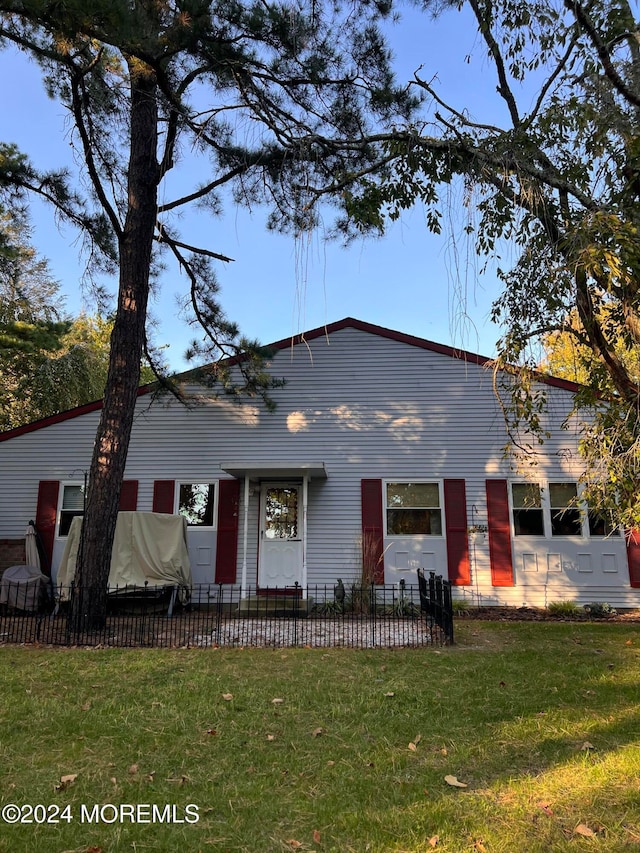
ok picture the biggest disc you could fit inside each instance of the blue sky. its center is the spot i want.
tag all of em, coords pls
(409, 280)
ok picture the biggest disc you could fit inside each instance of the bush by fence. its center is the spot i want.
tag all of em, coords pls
(349, 615)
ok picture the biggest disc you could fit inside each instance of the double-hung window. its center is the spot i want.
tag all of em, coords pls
(413, 509)
(72, 504)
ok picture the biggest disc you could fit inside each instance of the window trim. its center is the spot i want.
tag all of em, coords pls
(213, 481)
(434, 481)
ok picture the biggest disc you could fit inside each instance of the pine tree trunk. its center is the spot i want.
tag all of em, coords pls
(88, 611)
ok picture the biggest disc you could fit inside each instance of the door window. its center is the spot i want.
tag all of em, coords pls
(281, 513)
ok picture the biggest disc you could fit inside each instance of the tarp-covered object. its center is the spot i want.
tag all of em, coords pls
(149, 548)
(23, 587)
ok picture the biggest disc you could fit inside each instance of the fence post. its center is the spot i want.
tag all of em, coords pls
(372, 608)
(296, 608)
(219, 615)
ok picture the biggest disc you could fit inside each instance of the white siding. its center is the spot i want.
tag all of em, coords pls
(367, 406)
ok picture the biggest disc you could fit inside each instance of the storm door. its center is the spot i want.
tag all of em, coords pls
(280, 562)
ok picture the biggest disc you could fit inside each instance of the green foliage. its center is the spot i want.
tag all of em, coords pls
(566, 609)
(49, 362)
(600, 610)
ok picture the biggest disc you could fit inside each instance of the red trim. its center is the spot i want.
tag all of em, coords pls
(499, 533)
(129, 496)
(455, 512)
(228, 519)
(47, 514)
(163, 495)
(303, 338)
(372, 530)
(633, 557)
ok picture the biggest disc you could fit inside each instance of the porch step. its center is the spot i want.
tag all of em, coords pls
(278, 604)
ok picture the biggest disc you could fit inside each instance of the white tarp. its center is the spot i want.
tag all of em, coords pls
(149, 547)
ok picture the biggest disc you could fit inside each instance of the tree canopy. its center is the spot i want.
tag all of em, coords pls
(559, 180)
(49, 361)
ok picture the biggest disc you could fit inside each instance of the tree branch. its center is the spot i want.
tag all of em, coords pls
(603, 54)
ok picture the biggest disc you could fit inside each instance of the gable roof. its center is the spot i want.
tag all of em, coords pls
(295, 340)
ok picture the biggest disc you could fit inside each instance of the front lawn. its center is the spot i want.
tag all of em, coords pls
(329, 750)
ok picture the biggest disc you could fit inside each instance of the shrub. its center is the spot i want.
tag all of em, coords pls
(600, 610)
(568, 609)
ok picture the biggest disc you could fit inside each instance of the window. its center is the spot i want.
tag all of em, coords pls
(528, 519)
(600, 524)
(565, 514)
(281, 513)
(413, 509)
(196, 503)
(72, 505)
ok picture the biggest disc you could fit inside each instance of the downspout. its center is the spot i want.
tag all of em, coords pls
(305, 499)
(245, 532)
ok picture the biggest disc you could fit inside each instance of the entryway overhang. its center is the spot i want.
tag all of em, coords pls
(275, 470)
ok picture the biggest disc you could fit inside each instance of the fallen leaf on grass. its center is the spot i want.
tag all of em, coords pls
(316, 836)
(293, 843)
(414, 743)
(433, 841)
(587, 746)
(227, 697)
(584, 830)
(277, 701)
(133, 769)
(317, 732)
(453, 781)
(546, 808)
(271, 737)
(479, 846)
(66, 781)
(390, 693)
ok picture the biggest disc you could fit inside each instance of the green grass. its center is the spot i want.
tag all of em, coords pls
(540, 720)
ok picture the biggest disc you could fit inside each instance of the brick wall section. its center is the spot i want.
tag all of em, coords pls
(11, 553)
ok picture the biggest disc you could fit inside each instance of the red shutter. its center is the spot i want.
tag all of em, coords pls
(633, 556)
(455, 511)
(129, 496)
(228, 516)
(163, 491)
(372, 530)
(499, 533)
(47, 513)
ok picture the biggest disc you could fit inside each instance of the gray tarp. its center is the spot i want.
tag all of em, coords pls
(22, 587)
(149, 547)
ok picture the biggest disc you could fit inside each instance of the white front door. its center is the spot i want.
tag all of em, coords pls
(280, 536)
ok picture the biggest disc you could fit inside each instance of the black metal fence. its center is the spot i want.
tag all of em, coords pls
(350, 615)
